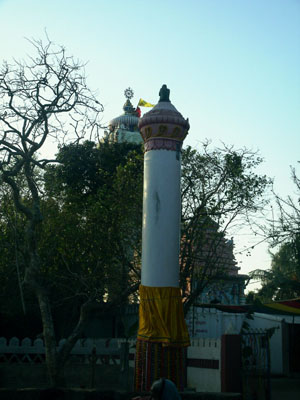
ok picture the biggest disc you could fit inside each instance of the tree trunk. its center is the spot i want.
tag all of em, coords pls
(55, 373)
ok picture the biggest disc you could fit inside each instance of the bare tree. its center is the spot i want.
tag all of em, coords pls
(286, 226)
(42, 99)
(220, 192)
(282, 231)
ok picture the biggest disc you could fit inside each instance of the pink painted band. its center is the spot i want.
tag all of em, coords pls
(162, 144)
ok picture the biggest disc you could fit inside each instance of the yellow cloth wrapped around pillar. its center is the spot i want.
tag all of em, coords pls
(161, 316)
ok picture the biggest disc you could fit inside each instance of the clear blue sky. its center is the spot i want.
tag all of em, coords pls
(232, 66)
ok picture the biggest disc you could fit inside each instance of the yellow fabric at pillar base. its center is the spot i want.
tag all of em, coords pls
(161, 316)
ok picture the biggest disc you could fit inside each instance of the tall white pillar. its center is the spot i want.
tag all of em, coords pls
(162, 334)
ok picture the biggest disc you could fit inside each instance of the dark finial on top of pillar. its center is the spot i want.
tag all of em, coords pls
(164, 94)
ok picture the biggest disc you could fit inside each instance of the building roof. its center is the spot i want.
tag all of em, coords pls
(283, 307)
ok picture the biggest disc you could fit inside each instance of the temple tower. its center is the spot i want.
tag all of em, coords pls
(162, 336)
(124, 128)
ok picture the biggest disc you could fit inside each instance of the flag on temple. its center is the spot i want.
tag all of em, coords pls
(143, 103)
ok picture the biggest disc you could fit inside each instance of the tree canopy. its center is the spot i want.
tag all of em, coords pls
(282, 280)
(43, 98)
(95, 197)
(220, 191)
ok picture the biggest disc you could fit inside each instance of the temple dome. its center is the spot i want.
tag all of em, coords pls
(124, 128)
(129, 120)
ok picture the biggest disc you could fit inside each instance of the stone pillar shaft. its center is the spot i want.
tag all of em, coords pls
(161, 218)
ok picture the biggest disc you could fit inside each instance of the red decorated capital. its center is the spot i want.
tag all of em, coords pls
(163, 122)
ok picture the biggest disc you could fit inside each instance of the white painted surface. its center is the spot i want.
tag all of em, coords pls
(204, 379)
(125, 136)
(161, 219)
(212, 323)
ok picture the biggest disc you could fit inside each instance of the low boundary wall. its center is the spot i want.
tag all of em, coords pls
(96, 363)
(204, 365)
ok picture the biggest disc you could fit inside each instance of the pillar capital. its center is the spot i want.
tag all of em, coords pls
(163, 124)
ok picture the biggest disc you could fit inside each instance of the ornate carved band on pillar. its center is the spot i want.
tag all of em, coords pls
(162, 144)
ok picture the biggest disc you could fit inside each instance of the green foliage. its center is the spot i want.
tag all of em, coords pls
(222, 180)
(282, 281)
(92, 221)
(19, 314)
(84, 168)
(250, 296)
(90, 239)
(130, 329)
